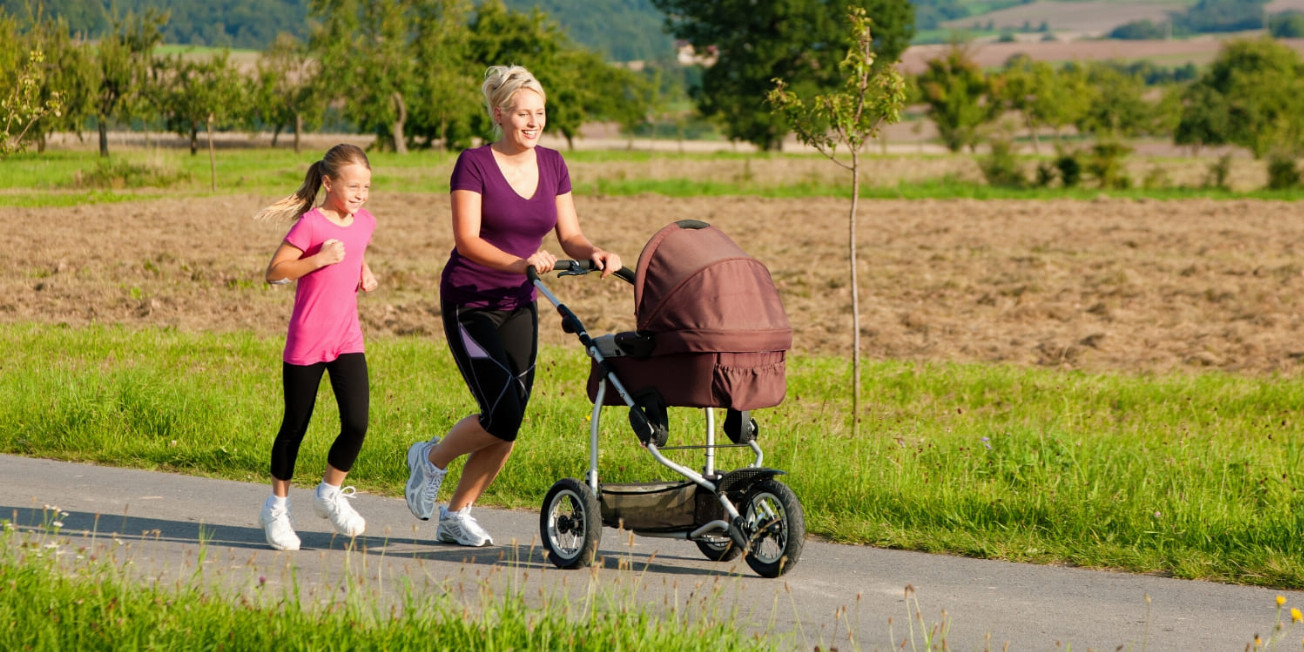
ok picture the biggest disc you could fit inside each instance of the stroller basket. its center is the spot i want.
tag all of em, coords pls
(657, 506)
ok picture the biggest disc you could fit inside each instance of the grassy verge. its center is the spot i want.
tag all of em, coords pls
(1197, 476)
(94, 605)
(68, 178)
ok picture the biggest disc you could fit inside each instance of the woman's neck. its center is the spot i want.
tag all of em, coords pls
(510, 151)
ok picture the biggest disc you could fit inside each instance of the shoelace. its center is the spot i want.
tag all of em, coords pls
(431, 490)
(340, 504)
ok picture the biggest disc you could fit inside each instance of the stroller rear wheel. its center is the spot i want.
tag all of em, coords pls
(571, 524)
(718, 548)
(775, 527)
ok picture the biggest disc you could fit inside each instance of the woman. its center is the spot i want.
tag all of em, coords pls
(506, 197)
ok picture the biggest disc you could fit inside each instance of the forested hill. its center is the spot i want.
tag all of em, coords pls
(622, 30)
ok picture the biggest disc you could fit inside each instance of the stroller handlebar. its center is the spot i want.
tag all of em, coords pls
(578, 268)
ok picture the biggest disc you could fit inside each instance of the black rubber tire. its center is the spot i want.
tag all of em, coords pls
(570, 524)
(776, 528)
(718, 548)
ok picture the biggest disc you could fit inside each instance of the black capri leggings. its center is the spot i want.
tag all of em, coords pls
(352, 393)
(495, 350)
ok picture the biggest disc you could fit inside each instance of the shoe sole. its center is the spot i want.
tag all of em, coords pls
(413, 459)
(442, 538)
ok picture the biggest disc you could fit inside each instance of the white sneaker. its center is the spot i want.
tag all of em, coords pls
(423, 480)
(460, 527)
(335, 506)
(276, 525)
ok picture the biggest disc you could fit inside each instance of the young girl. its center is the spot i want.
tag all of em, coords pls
(507, 196)
(325, 251)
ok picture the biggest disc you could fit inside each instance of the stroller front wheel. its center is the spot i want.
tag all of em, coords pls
(775, 527)
(570, 524)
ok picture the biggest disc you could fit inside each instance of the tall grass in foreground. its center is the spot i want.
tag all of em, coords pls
(1198, 476)
(55, 597)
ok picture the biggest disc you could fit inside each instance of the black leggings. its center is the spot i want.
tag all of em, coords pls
(352, 393)
(495, 350)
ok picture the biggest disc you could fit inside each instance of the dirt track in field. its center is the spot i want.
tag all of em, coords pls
(1096, 285)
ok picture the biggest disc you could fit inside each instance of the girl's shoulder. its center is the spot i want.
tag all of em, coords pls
(363, 215)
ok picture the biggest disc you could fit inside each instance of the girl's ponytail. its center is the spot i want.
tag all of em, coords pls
(293, 207)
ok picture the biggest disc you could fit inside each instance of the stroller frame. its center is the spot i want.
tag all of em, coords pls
(746, 511)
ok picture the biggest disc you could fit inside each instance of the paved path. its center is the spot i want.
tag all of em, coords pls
(167, 525)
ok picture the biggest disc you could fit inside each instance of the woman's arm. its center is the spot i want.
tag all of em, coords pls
(575, 244)
(466, 237)
(289, 265)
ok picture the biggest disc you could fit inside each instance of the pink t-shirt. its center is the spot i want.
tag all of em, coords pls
(324, 323)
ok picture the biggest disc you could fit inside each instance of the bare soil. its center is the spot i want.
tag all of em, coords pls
(1105, 285)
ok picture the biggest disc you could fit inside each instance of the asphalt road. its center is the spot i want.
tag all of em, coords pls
(168, 527)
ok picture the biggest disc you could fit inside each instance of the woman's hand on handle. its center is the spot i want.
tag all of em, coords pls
(541, 261)
(606, 261)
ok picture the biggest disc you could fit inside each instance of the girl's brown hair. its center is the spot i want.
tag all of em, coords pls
(293, 207)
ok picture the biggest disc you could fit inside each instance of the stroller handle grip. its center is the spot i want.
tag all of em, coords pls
(578, 268)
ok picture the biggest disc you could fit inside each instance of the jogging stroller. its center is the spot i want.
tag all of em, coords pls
(711, 333)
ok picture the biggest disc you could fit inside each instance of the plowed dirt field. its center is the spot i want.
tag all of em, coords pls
(1123, 285)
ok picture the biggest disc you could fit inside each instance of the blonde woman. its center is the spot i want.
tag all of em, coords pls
(506, 197)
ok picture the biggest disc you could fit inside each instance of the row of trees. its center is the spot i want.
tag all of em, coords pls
(1250, 96)
(408, 71)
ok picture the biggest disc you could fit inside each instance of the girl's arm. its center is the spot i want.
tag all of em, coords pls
(288, 263)
(466, 236)
(575, 244)
(369, 281)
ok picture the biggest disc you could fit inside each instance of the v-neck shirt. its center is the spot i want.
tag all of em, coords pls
(508, 221)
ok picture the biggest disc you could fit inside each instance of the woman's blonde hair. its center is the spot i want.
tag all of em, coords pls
(293, 207)
(501, 83)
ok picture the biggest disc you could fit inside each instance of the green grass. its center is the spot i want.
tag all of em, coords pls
(1193, 476)
(67, 178)
(56, 597)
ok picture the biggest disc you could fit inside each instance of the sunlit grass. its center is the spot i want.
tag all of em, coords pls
(66, 177)
(1194, 476)
(63, 594)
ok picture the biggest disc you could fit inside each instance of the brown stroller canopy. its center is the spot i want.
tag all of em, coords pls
(697, 291)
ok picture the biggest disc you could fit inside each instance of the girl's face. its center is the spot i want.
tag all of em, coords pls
(523, 121)
(346, 192)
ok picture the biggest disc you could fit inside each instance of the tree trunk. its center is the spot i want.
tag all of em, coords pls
(212, 156)
(276, 134)
(194, 137)
(855, 298)
(400, 142)
(298, 130)
(104, 136)
(1032, 133)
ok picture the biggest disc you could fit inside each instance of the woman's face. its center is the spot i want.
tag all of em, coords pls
(523, 121)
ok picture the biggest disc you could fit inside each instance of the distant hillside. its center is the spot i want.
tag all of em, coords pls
(622, 30)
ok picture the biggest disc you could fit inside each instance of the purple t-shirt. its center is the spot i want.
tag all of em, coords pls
(324, 323)
(513, 223)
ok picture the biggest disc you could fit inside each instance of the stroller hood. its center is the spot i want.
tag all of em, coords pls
(696, 290)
